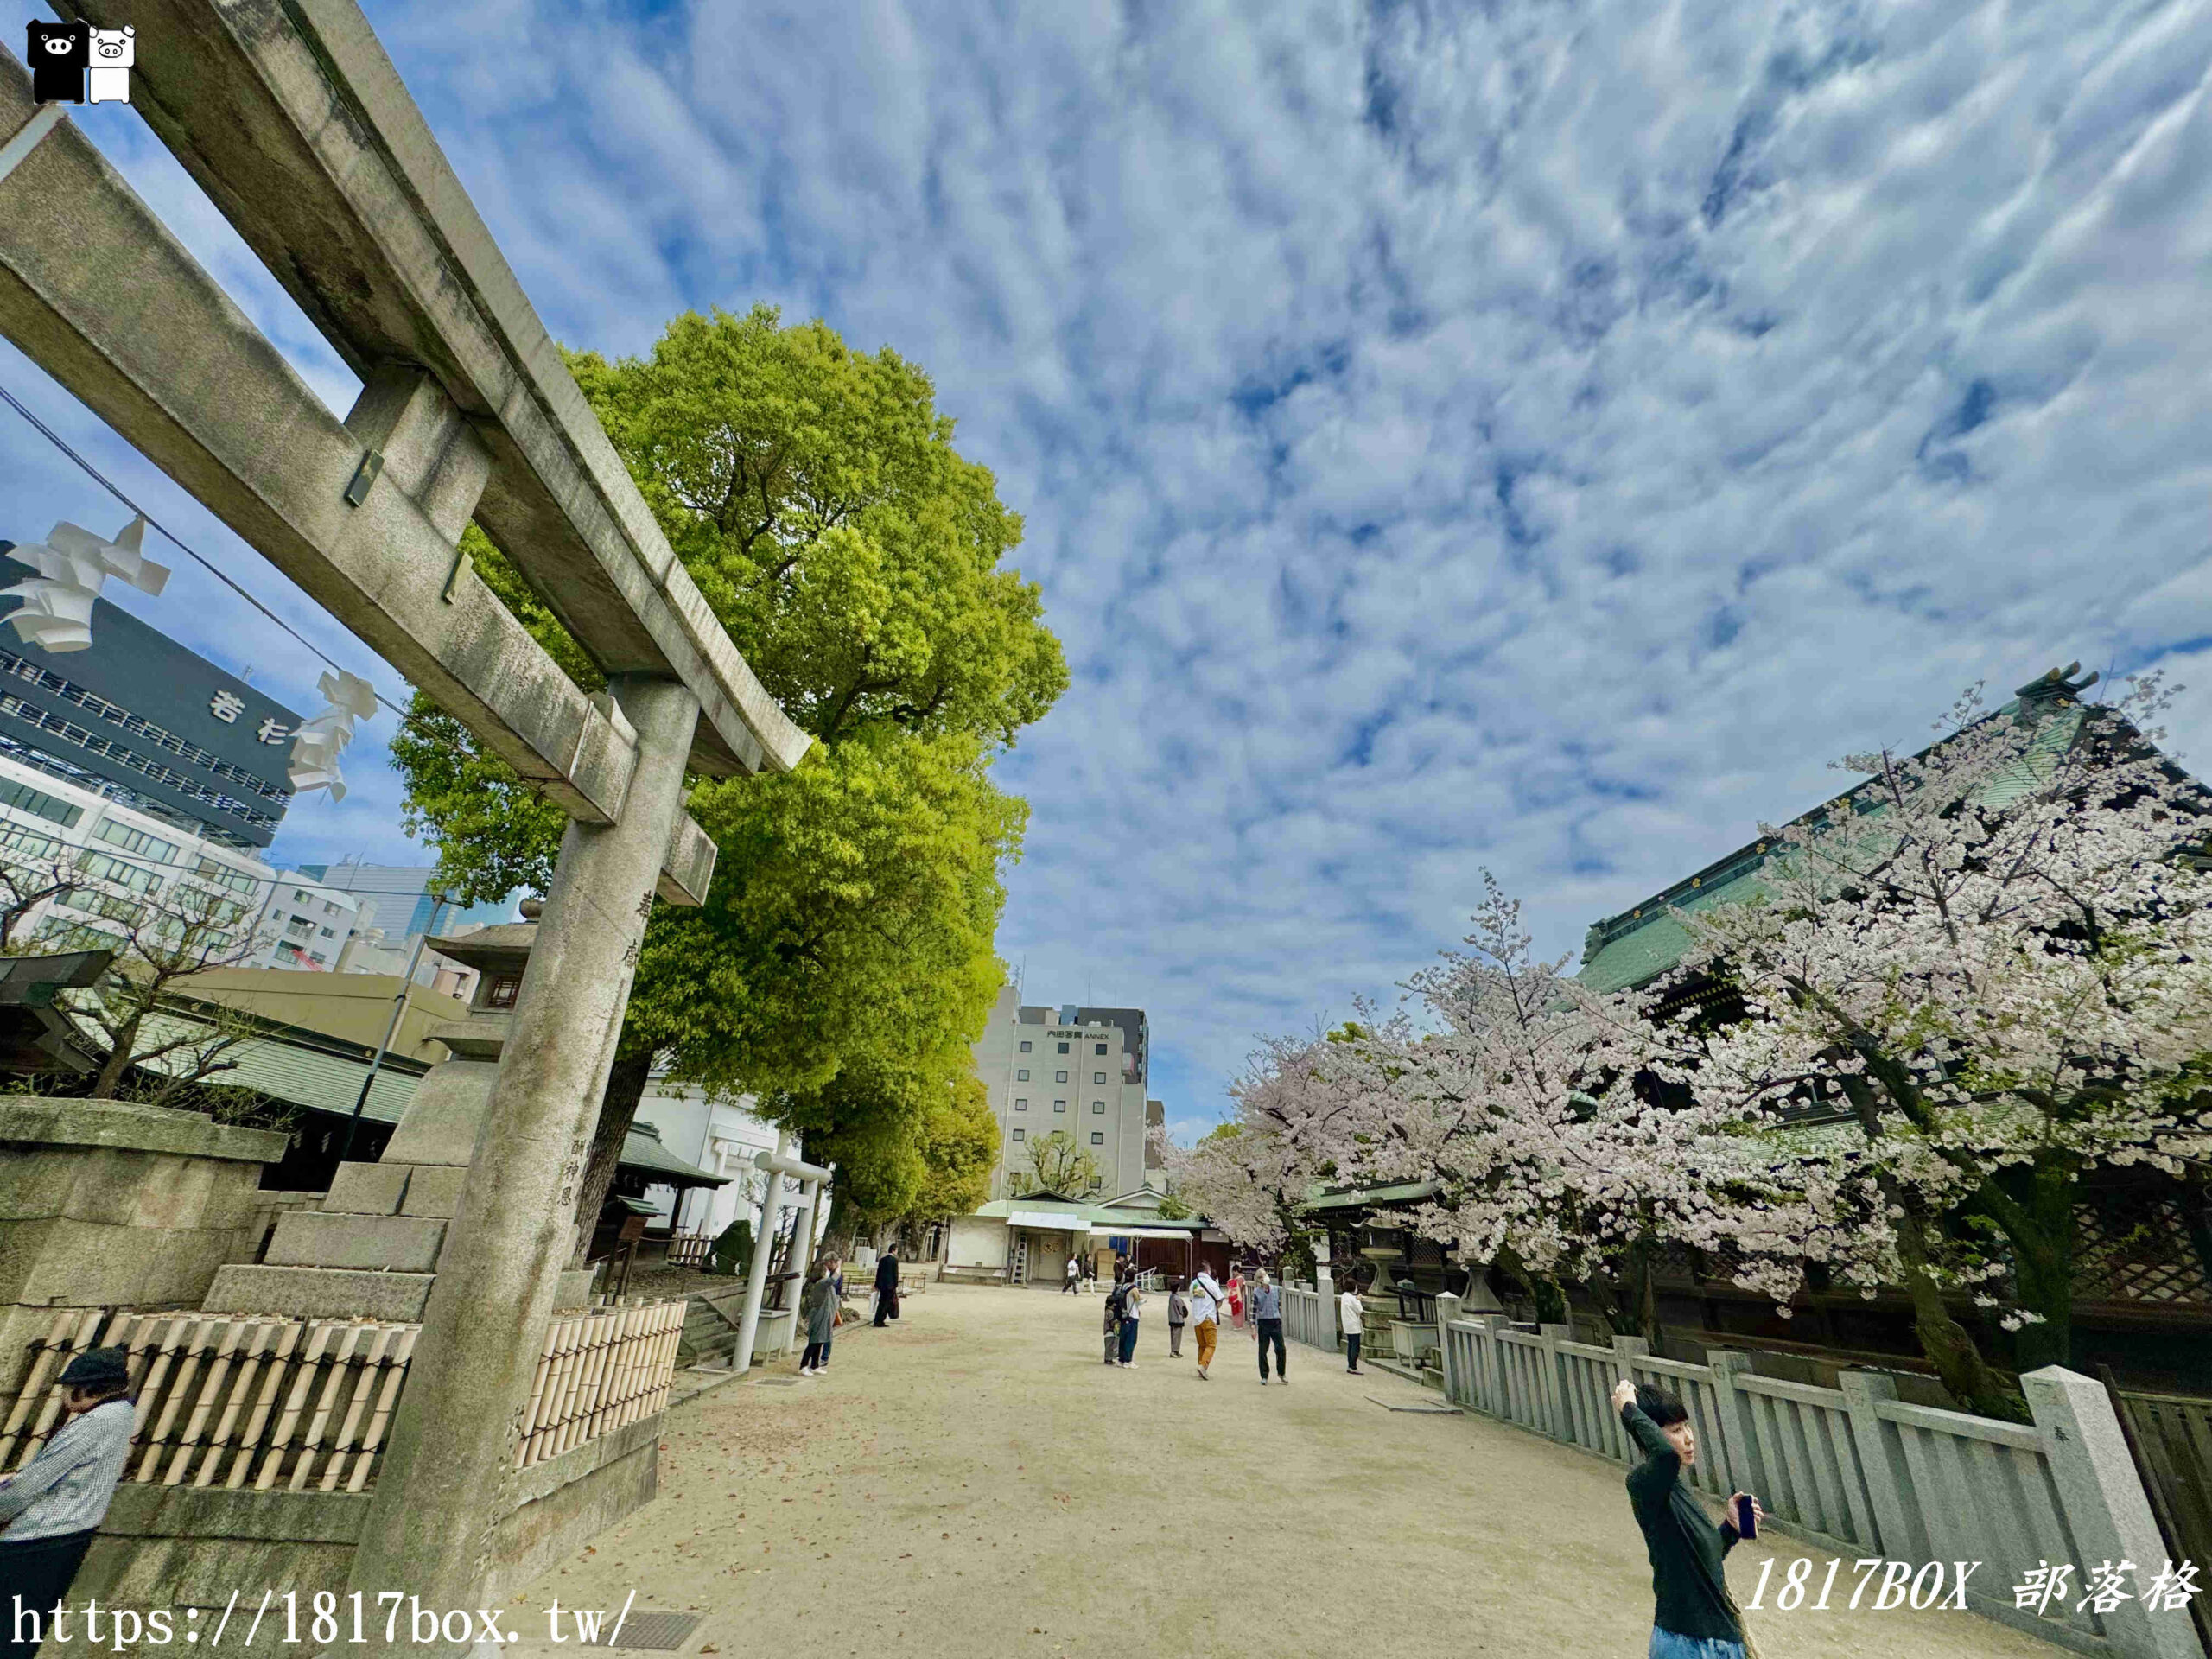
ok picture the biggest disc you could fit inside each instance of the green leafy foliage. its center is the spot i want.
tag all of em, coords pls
(844, 959)
(815, 496)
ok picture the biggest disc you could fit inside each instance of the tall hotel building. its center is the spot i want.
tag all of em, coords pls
(1084, 1071)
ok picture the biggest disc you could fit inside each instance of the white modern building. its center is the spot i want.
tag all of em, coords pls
(1077, 1070)
(305, 925)
(130, 859)
(721, 1137)
(397, 907)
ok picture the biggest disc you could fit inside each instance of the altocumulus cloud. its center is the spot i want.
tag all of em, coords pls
(1540, 437)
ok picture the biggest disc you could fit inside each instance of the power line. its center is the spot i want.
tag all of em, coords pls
(407, 717)
(208, 565)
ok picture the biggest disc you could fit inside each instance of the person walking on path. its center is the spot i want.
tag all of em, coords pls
(1206, 1317)
(1075, 1276)
(1695, 1617)
(1179, 1315)
(817, 1310)
(834, 1270)
(50, 1508)
(1352, 1313)
(1132, 1305)
(1266, 1324)
(1236, 1301)
(887, 1288)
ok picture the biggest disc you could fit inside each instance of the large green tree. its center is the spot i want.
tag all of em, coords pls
(909, 1146)
(815, 496)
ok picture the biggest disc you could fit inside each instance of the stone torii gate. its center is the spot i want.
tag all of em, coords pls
(293, 121)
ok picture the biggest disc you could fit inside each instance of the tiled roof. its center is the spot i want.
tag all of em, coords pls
(320, 1080)
(1632, 948)
(1404, 1192)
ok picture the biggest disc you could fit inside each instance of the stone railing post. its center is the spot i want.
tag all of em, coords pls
(2105, 1505)
(1626, 1351)
(1881, 1460)
(1447, 1310)
(1557, 1423)
(1741, 1466)
(451, 1454)
(1325, 1326)
(1499, 1403)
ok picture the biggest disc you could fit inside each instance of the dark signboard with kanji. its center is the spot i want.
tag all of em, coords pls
(140, 709)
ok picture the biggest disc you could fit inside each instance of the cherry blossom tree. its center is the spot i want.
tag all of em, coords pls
(1995, 957)
(1249, 1176)
(1557, 1161)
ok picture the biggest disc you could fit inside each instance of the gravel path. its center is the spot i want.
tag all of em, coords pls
(973, 1482)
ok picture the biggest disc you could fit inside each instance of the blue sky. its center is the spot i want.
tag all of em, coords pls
(1537, 436)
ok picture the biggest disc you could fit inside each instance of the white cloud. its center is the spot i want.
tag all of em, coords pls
(1535, 436)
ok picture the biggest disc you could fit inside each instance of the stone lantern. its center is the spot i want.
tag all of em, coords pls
(372, 1249)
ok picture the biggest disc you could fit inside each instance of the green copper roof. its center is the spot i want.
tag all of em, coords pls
(1404, 1192)
(322, 1080)
(1624, 951)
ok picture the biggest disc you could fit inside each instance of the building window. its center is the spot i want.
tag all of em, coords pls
(1098, 1106)
(15, 839)
(1024, 1048)
(300, 898)
(116, 833)
(1064, 1048)
(39, 804)
(1059, 1077)
(1097, 1181)
(223, 876)
(1098, 1076)
(1059, 1105)
(318, 959)
(1101, 1049)
(1098, 1137)
(1022, 1076)
(504, 987)
(108, 867)
(1021, 1105)
(1017, 1134)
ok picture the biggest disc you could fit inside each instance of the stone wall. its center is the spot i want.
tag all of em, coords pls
(108, 1205)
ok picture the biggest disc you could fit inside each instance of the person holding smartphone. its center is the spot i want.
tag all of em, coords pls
(1695, 1617)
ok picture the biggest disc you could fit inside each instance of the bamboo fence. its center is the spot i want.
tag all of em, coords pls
(601, 1370)
(264, 1403)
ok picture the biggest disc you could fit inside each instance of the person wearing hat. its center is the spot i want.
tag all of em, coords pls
(50, 1508)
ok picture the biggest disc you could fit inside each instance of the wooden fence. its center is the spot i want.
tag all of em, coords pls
(690, 1250)
(2171, 1436)
(264, 1403)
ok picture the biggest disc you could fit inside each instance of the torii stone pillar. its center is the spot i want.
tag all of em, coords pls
(449, 1466)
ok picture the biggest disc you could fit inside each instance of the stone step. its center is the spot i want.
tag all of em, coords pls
(320, 1293)
(318, 1238)
(1429, 1379)
(708, 1335)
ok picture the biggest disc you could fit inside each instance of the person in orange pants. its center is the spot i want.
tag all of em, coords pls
(1206, 1315)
